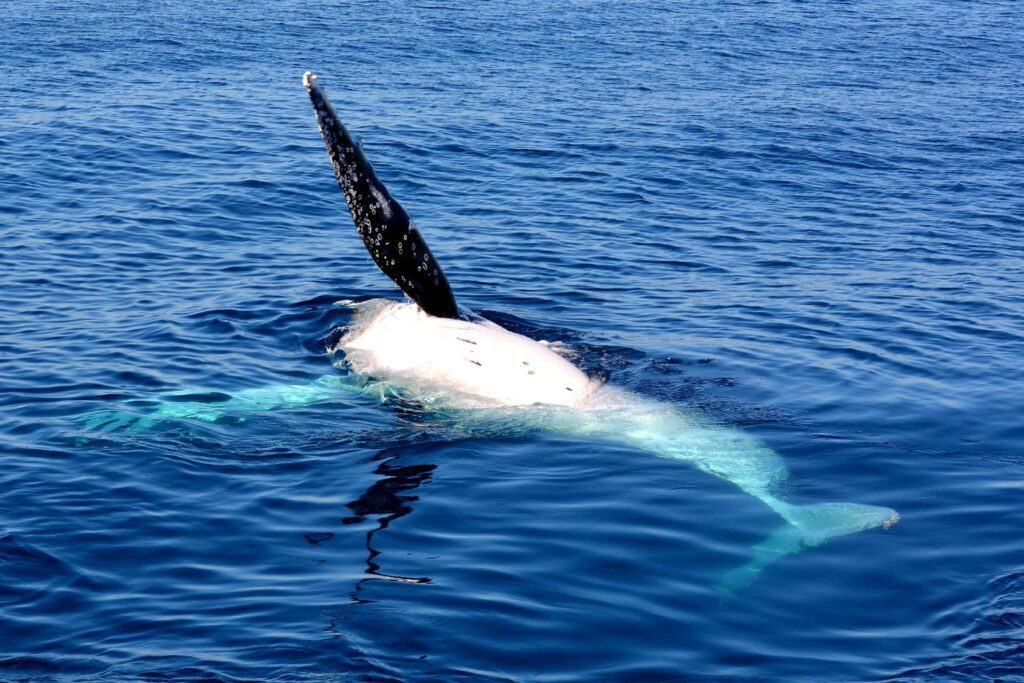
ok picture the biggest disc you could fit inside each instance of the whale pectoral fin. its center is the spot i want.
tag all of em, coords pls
(108, 421)
(388, 233)
(227, 408)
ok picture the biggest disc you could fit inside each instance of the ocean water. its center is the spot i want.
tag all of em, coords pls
(802, 219)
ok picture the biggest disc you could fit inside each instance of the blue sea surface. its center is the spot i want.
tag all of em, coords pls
(804, 219)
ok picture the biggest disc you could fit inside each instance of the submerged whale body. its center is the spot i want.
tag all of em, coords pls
(449, 360)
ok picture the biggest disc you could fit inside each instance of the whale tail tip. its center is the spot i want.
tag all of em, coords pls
(819, 522)
(807, 526)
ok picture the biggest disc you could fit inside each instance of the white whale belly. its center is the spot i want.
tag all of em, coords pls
(399, 343)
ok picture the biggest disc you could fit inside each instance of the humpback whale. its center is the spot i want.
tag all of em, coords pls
(450, 360)
(459, 361)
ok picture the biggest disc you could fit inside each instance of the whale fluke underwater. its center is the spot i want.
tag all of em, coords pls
(456, 364)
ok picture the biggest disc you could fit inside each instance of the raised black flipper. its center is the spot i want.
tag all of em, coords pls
(387, 231)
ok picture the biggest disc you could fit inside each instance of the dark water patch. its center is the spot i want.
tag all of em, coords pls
(28, 572)
(985, 643)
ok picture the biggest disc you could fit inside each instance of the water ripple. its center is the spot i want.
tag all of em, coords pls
(801, 219)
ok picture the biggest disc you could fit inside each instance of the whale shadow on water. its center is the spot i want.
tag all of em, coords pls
(388, 499)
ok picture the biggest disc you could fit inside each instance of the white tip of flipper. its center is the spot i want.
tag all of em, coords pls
(309, 79)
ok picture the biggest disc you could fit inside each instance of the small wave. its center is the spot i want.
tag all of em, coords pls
(991, 647)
